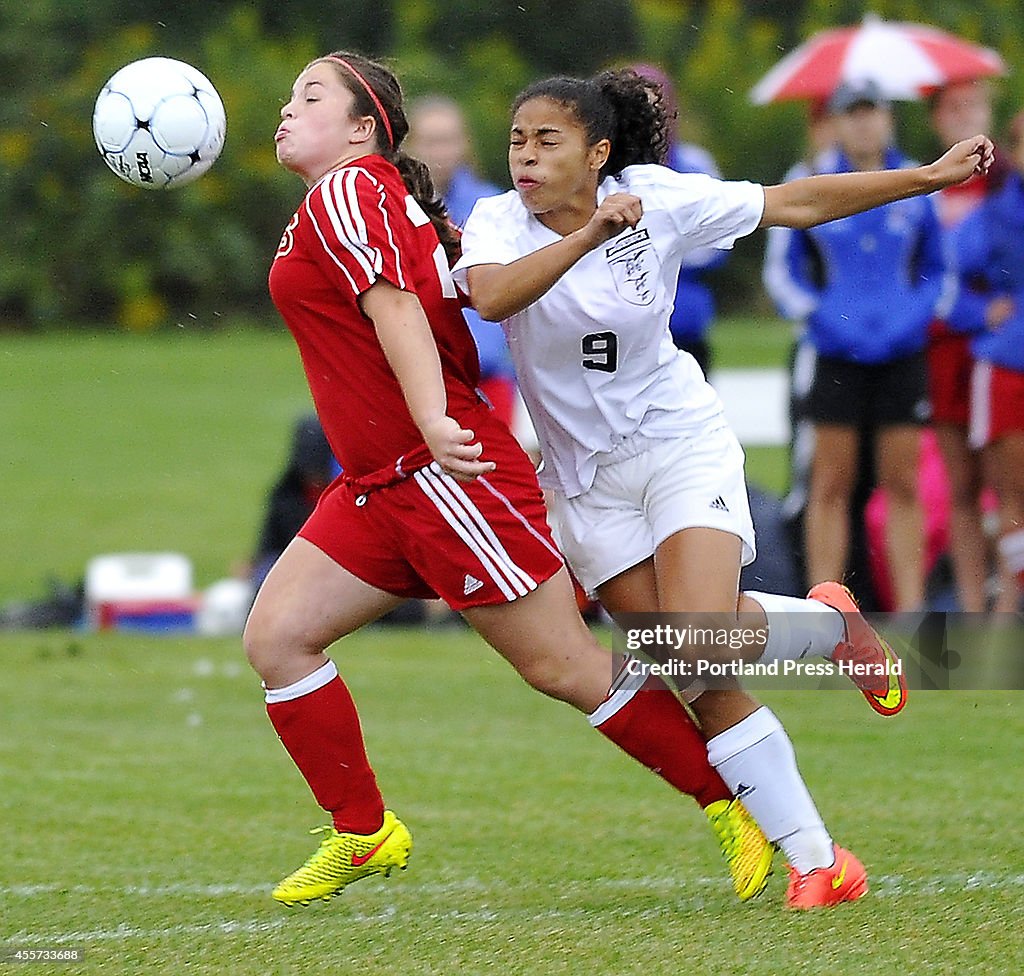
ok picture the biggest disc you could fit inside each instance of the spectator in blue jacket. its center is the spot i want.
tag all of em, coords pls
(438, 136)
(867, 287)
(694, 310)
(990, 306)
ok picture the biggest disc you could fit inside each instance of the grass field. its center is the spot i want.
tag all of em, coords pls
(171, 441)
(117, 442)
(146, 807)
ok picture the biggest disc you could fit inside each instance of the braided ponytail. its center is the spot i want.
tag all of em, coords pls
(416, 177)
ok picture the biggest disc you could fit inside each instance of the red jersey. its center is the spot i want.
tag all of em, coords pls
(356, 225)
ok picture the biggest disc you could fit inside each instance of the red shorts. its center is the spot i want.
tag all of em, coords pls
(997, 403)
(949, 377)
(470, 543)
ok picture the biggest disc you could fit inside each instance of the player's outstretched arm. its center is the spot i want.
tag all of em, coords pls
(408, 344)
(817, 199)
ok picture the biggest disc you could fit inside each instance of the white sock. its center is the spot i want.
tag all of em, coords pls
(798, 627)
(304, 686)
(757, 762)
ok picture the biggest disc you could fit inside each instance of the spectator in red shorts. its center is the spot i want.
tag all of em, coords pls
(990, 251)
(957, 111)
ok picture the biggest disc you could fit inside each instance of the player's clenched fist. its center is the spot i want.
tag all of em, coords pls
(614, 214)
(962, 160)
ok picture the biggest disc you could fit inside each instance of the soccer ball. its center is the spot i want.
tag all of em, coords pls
(159, 123)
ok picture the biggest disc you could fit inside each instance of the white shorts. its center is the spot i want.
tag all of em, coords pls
(636, 504)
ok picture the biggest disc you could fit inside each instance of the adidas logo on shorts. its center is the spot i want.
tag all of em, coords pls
(470, 585)
(719, 504)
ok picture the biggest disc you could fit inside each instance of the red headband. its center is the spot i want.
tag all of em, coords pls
(369, 91)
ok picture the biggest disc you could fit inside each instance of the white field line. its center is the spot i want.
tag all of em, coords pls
(882, 884)
(124, 932)
(687, 890)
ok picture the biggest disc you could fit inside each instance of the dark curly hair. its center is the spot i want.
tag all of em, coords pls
(620, 106)
(390, 134)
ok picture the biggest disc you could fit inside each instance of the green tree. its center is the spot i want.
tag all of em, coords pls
(572, 36)
(82, 247)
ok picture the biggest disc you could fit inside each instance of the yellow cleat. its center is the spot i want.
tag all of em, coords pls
(744, 846)
(343, 858)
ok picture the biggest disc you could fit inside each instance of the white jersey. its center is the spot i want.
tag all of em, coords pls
(594, 357)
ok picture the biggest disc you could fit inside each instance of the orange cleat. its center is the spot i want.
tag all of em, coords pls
(845, 880)
(864, 657)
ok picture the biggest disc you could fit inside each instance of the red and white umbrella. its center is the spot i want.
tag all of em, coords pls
(904, 60)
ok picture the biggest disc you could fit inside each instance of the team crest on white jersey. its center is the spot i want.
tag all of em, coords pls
(635, 267)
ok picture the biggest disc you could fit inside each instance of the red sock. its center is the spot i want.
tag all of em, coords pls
(317, 721)
(652, 726)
